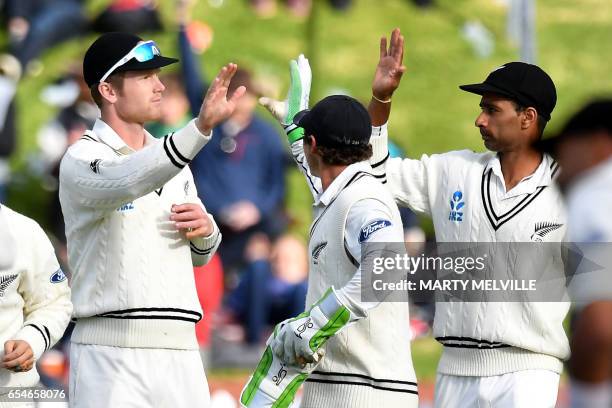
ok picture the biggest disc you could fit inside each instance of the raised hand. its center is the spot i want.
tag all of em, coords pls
(297, 98)
(389, 69)
(216, 106)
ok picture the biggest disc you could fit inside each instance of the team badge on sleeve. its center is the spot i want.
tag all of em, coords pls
(371, 228)
(58, 276)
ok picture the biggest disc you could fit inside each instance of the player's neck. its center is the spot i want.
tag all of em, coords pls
(329, 173)
(133, 134)
(518, 164)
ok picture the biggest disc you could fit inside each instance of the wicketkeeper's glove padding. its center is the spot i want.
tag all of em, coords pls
(296, 101)
(292, 353)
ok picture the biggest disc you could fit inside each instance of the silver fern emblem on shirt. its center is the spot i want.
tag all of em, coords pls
(5, 281)
(316, 252)
(543, 228)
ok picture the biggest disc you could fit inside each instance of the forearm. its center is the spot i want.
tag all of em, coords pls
(379, 112)
(108, 183)
(380, 151)
(314, 183)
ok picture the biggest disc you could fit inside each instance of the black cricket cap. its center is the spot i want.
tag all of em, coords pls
(336, 121)
(108, 49)
(595, 117)
(524, 83)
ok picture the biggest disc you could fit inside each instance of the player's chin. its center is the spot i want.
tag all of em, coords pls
(491, 145)
(154, 113)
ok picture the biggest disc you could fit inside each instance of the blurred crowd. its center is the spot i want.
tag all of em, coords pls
(259, 276)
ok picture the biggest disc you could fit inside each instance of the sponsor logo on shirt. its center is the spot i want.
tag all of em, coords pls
(126, 207)
(371, 228)
(541, 229)
(456, 207)
(5, 281)
(58, 276)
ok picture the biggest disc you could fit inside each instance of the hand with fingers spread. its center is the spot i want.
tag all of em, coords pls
(18, 356)
(216, 106)
(297, 98)
(192, 219)
(389, 69)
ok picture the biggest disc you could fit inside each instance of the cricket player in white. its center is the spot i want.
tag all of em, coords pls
(35, 302)
(584, 150)
(359, 350)
(495, 354)
(135, 229)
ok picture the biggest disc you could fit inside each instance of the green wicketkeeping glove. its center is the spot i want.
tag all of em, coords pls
(292, 353)
(296, 101)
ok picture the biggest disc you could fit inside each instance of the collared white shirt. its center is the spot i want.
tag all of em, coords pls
(361, 215)
(126, 255)
(505, 200)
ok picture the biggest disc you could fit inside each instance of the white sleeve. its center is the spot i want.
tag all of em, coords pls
(314, 183)
(97, 180)
(203, 248)
(365, 213)
(46, 295)
(406, 179)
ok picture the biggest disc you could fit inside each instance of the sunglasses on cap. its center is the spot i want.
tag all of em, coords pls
(145, 51)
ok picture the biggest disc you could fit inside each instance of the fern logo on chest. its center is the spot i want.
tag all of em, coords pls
(5, 282)
(541, 229)
(316, 252)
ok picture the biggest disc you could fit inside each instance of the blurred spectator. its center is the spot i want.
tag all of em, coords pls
(10, 72)
(273, 285)
(131, 16)
(267, 8)
(36, 25)
(240, 175)
(77, 113)
(299, 8)
(584, 151)
(209, 286)
(423, 3)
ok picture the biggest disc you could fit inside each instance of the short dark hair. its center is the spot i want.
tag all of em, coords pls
(243, 77)
(541, 121)
(345, 155)
(115, 80)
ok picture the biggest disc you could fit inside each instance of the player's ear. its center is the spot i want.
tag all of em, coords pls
(108, 92)
(530, 117)
(310, 143)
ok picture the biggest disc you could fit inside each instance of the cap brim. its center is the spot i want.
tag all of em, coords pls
(481, 89)
(301, 118)
(156, 62)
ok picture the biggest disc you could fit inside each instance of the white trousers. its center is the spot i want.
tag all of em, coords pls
(520, 389)
(105, 377)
